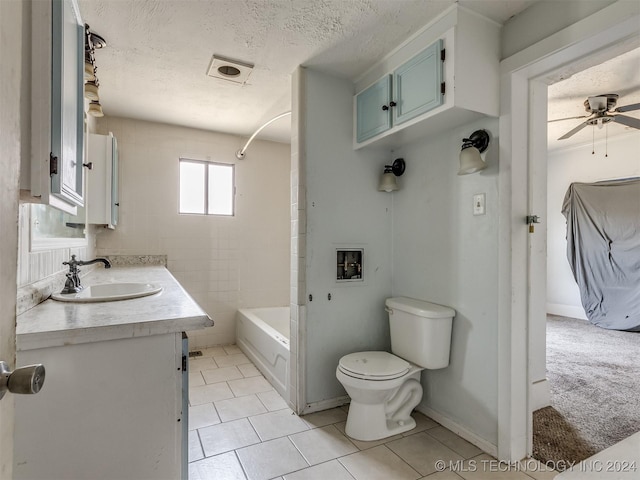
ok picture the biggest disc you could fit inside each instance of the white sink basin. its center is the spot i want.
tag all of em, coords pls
(109, 292)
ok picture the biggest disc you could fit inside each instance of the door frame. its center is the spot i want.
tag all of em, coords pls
(11, 51)
(522, 133)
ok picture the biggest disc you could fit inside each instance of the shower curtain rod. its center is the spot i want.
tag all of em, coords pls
(240, 153)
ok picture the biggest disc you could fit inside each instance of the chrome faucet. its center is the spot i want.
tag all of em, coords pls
(72, 285)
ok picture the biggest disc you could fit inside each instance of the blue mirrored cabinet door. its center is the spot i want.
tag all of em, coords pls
(67, 101)
(416, 84)
(371, 116)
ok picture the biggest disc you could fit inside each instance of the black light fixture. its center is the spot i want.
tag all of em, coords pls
(388, 180)
(472, 147)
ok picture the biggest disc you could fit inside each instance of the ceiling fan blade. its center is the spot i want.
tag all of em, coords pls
(628, 108)
(628, 121)
(574, 131)
(568, 118)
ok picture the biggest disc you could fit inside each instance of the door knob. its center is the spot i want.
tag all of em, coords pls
(24, 380)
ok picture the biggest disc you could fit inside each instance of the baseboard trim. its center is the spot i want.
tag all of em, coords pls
(566, 311)
(325, 404)
(459, 430)
(540, 395)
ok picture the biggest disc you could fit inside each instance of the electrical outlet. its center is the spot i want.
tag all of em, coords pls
(479, 204)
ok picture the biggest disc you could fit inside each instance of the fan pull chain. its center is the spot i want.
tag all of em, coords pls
(593, 140)
(606, 140)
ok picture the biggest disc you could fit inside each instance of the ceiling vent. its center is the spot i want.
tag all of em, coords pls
(227, 69)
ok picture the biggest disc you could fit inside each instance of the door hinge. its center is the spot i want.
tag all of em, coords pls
(443, 54)
(184, 363)
(442, 88)
(53, 165)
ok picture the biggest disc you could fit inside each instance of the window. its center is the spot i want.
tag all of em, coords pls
(206, 188)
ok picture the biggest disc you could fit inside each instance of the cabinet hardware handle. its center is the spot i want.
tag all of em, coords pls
(88, 165)
(392, 104)
(385, 107)
(53, 164)
(117, 204)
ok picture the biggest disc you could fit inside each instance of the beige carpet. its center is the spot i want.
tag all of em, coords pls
(594, 377)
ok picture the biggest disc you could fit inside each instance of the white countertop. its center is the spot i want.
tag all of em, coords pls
(54, 323)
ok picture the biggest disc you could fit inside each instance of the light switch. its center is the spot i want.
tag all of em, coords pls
(479, 204)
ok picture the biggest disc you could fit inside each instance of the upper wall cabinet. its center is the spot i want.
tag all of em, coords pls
(413, 89)
(57, 111)
(373, 114)
(417, 85)
(102, 180)
(444, 76)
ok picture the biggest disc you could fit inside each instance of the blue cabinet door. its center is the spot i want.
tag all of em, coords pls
(416, 84)
(373, 115)
(67, 102)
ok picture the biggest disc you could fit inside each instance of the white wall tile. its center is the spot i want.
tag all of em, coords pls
(225, 263)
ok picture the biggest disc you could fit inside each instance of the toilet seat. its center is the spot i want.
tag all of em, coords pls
(373, 366)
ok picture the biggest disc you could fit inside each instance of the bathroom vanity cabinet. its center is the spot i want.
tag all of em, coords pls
(57, 105)
(114, 401)
(102, 180)
(444, 76)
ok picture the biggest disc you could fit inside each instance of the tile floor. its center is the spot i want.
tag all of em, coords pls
(241, 429)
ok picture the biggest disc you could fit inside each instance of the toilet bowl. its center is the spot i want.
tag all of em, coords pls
(385, 387)
(382, 397)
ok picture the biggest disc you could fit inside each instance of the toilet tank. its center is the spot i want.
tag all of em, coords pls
(420, 331)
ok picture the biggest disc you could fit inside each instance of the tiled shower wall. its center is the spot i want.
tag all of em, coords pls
(224, 263)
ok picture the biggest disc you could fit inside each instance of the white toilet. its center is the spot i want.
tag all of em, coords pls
(384, 387)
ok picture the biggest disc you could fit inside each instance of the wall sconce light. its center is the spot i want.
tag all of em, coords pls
(89, 71)
(388, 179)
(91, 90)
(472, 147)
(95, 109)
(92, 41)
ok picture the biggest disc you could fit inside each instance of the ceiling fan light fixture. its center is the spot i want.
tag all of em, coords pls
(597, 104)
(602, 111)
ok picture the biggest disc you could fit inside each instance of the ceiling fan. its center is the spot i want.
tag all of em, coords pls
(601, 111)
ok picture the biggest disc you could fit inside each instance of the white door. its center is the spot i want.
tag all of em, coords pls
(538, 386)
(521, 298)
(10, 52)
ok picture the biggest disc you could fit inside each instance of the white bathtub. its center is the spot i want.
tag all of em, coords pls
(263, 335)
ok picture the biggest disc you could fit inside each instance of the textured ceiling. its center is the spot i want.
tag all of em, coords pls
(158, 52)
(619, 74)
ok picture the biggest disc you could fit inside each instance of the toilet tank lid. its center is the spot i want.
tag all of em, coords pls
(420, 307)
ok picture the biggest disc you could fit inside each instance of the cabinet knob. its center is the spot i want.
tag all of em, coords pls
(25, 380)
(392, 104)
(88, 165)
(385, 107)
